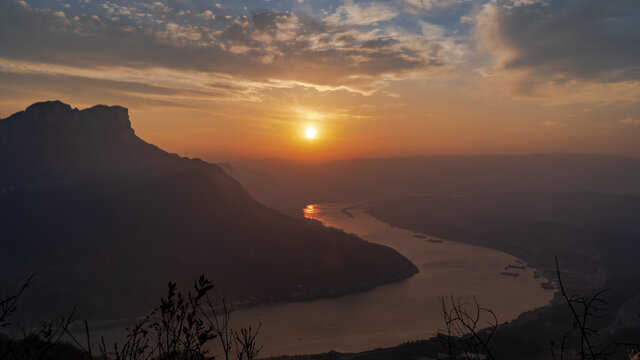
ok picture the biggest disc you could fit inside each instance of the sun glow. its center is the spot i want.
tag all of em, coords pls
(309, 211)
(310, 133)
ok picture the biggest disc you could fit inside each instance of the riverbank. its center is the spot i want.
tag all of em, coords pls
(536, 234)
(391, 314)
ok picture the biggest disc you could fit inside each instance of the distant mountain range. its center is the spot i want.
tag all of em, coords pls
(595, 236)
(287, 185)
(105, 219)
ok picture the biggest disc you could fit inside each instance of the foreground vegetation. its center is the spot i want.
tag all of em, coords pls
(187, 325)
(182, 327)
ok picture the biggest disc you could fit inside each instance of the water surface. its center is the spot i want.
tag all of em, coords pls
(391, 314)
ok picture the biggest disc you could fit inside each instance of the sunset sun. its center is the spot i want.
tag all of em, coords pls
(310, 133)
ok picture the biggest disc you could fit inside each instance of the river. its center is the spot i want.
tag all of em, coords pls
(394, 313)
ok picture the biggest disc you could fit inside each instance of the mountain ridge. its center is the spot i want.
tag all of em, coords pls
(106, 219)
(57, 114)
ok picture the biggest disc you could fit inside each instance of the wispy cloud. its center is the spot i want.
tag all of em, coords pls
(263, 46)
(553, 124)
(361, 14)
(630, 121)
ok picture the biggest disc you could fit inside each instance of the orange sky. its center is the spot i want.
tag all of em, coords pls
(375, 78)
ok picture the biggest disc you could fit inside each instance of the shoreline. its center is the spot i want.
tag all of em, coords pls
(262, 307)
(113, 324)
(522, 258)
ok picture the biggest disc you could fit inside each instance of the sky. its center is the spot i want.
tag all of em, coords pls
(225, 80)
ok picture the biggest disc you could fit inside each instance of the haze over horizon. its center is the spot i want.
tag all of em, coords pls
(236, 80)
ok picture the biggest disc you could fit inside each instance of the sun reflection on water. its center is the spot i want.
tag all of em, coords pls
(309, 211)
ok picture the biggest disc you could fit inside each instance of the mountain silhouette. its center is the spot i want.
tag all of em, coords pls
(105, 219)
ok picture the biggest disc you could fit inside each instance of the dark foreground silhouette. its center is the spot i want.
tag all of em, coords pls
(188, 325)
(104, 219)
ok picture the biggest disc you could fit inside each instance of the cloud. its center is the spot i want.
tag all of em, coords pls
(207, 15)
(630, 121)
(554, 124)
(121, 85)
(421, 6)
(263, 46)
(560, 41)
(356, 14)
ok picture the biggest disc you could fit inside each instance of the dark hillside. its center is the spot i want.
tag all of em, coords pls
(105, 219)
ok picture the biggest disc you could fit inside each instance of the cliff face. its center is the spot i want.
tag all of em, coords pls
(55, 126)
(51, 143)
(106, 219)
